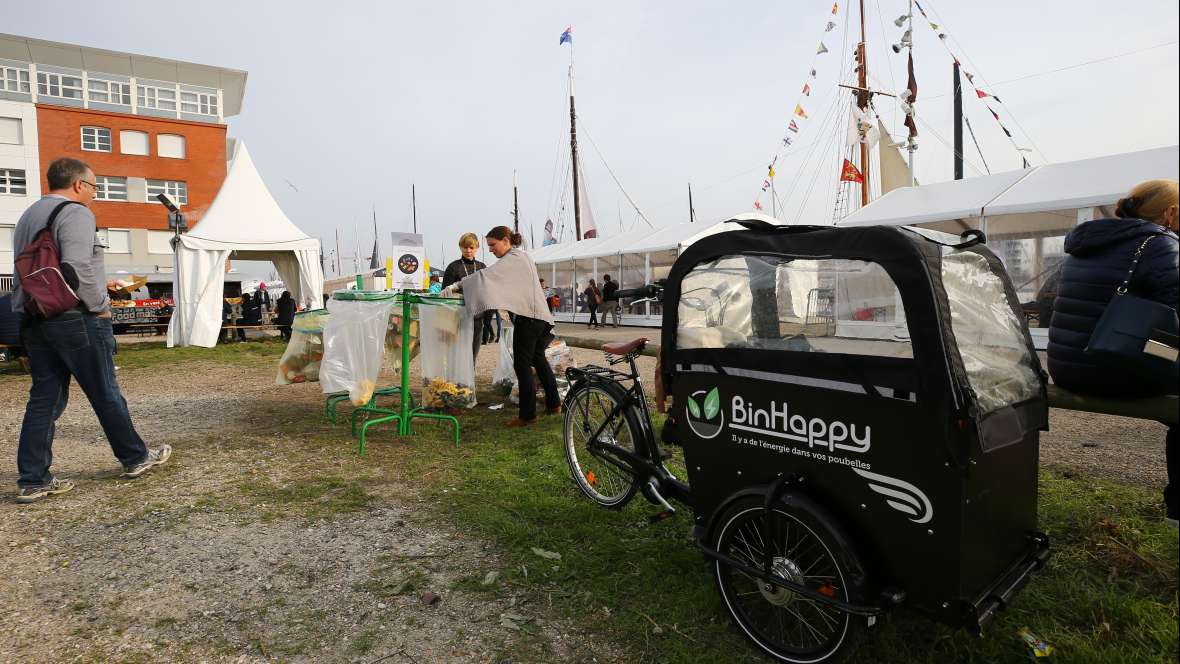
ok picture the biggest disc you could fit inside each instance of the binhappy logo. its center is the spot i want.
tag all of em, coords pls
(900, 495)
(704, 414)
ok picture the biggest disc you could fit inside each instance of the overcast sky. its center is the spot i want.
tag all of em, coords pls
(352, 102)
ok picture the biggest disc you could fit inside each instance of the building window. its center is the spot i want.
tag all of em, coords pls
(133, 142)
(14, 80)
(177, 191)
(159, 242)
(198, 102)
(110, 92)
(12, 181)
(96, 139)
(170, 145)
(116, 241)
(163, 99)
(10, 131)
(59, 85)
(110, 188)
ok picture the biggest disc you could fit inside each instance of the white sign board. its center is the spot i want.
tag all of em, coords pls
(408, 258)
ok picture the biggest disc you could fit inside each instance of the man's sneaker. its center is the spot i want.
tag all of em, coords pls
(31, 494)
(154, 458)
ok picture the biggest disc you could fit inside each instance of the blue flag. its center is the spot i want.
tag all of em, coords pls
(567, 36)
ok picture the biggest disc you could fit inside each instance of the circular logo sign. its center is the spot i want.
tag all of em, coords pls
(408, 264)
(704, 414)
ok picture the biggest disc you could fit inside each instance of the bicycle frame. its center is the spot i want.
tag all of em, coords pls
(647, 466)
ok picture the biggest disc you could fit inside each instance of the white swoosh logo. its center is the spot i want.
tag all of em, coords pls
(900, 495)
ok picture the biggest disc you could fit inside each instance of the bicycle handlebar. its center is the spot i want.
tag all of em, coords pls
(650, 290)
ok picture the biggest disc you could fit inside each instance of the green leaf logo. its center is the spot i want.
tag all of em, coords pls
(712, 404)
(693, 408)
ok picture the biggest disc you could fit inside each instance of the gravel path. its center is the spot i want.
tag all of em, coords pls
(179, 567)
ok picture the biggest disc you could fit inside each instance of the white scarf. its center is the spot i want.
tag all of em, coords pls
(511, 284)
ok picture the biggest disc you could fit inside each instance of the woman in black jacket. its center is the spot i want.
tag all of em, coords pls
(1100, 254)
(285, 314)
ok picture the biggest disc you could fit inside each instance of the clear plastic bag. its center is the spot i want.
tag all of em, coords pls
(560, 357)
(504, 378)
(448, 367)
(301, 360)
(354, 345)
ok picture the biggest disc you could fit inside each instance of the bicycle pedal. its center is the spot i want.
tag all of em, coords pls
(661, 516)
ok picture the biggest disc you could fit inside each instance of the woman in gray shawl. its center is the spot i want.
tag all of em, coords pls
(512, 284)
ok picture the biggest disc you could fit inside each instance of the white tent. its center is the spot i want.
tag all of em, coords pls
(1038, 197)
(633, 258)
(244, 223)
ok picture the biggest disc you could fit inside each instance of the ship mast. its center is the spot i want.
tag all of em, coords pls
(862, 101)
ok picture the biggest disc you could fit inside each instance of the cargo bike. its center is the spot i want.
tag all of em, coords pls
(859, 410)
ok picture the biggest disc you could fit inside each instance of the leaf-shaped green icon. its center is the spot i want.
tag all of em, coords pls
(693, 408)
(712, 404)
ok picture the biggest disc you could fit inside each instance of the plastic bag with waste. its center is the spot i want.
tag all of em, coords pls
(354, 345)
(448, 367)
(301, 359)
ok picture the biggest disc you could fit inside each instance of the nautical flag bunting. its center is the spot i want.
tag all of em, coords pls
(800, 112)
(567, 36)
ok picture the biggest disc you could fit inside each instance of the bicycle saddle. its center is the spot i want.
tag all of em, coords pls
(624, 347)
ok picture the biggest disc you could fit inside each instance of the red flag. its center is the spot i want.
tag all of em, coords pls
(912, 86)
(849, 173)
(806, 90)
(757, 205)
(793, 127)
(994, 114)
(980, 93)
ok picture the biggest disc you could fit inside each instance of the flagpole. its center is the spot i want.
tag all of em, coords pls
(692, 215)
(912, 145)
(862, 102)
(515, 206)
(414, 205)
(574, 150)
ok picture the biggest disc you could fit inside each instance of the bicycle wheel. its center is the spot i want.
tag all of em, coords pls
(788, 626)
(586, 409)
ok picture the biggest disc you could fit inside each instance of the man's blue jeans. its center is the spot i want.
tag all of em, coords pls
(81, 345)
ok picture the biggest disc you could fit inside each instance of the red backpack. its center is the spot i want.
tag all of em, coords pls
(38, 266)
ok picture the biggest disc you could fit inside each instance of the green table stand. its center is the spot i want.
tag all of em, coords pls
(406, 411)
(334, 399)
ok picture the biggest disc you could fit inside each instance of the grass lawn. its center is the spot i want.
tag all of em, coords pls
(1108, 593)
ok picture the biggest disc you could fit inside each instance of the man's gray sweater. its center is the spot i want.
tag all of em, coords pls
(75, 234)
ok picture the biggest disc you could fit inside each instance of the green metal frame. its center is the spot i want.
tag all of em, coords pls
(406, 411)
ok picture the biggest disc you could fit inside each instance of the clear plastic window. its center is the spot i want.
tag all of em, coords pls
(810, 305)
(989, 335)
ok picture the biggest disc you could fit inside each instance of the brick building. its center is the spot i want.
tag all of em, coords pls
(145, 125)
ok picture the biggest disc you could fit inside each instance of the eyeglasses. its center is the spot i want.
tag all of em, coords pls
(95, 186)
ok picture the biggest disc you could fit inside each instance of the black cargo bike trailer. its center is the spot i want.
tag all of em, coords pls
(860, 411)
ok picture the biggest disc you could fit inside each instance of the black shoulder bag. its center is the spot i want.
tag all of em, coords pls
(1136, 331)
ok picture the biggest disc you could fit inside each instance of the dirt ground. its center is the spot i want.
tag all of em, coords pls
(160, 569)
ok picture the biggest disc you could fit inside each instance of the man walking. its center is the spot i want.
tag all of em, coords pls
(78, 343)
(610, 300)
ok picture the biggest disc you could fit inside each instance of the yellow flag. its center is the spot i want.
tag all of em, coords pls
(426, 274)
(800, 112)
(771, 171)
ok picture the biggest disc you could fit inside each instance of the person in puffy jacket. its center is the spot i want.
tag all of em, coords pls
(1100, 253)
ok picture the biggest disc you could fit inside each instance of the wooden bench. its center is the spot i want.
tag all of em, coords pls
(1164, 409)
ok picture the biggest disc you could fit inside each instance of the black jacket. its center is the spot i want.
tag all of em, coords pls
(608, 291)
(1100, 253)
(459, 269)
(285, 311)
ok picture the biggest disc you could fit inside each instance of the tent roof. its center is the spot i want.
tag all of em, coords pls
(941, 201)
(638, 241)
(245, 217)
(1053, 187)
(1086, 183)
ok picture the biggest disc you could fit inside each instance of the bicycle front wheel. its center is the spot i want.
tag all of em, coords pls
(586, 410)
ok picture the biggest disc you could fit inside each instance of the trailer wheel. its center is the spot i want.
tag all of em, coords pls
(807, 550)
(587, 406)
